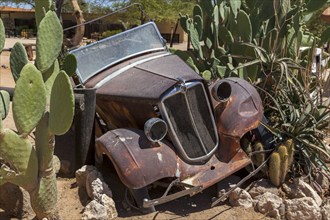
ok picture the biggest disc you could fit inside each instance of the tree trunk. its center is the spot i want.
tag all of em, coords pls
(80, 31)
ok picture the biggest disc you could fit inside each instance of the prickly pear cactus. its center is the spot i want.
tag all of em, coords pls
(18, 59)
(43, 101)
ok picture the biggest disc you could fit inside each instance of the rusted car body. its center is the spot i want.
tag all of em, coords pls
(163, 120)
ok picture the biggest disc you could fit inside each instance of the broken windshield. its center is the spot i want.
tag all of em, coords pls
(100, 55)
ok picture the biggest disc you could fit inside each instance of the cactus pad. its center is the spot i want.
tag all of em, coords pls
(41, 7)
(61, 105)
(29, 99)
(49, 41)
(70, 64)
(49, 77)
(18, 59)
(2, 35)
(245, 30)
(19, 155)
(4, 104)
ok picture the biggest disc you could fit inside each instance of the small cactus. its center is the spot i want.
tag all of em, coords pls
(275, 169)
(283, 152)
(280, 162)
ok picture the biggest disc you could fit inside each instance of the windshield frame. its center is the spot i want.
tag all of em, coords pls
(83, 79)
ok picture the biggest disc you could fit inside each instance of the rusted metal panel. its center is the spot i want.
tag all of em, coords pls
(137, 161)
(242, 112)
(119, 114)
(171, 67)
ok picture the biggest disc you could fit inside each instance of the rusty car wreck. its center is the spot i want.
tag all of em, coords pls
(162, 119)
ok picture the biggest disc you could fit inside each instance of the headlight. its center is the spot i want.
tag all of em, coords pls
(221, 92)
(155, 129)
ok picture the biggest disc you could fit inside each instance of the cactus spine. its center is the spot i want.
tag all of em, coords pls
(275, 168)
(43, 100)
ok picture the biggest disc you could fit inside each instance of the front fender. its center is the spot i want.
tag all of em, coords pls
(243, 110)
(137, 161)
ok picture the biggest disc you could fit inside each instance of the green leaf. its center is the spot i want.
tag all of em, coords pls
(4, 104)
(2, 35)
(197, 11)
(245, 30)
(70, 64)
(314, 5)
(325, 36)
(61, 105)
(225, 35)
(42, 6)
(198, 23)
(207, 75)
(29, 99)
(18, 59)
(49, 41)
(235, 5)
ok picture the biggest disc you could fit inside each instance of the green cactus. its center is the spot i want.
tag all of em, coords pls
(18, 59)
(60, 119)
(290, 147)
(275, 169)
(283, 152)
(245, 30)
(2, 35)
(4, 103)
(280, 162)
(70, 64)
(41, 7)
(49, 41)
(43, 100)
(258, 158)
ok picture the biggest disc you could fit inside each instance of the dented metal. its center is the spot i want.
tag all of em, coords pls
(206, 123)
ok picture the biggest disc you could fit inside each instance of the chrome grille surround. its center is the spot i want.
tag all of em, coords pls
(187, 111)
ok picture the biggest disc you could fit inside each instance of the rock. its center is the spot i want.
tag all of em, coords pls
(302, 209)
(270, 204)
(56, 164)
(95, 186)
(262, 186)
(109, 204)
(325, 211)
(94, 211)
(82, 173)
(240, 197)
(300, 189)
(226, 184)
(16, 201)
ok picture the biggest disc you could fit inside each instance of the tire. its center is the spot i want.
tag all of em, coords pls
(139, 195)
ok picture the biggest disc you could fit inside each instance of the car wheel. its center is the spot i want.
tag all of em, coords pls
(139, 195)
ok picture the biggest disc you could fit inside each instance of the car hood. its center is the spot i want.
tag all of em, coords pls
(144, 79)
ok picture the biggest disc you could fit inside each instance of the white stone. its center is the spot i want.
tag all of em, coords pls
(325, 211)
(269, 204)
(240, 197)
(95, 186)
(110, 206)
(95, 211)
(302, 209)
(262, 186)
(300, 189)
(82, 173)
